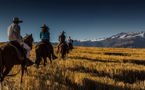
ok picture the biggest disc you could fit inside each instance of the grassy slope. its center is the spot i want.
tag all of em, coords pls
(86, 68)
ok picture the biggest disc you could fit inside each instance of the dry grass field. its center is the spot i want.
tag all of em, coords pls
(85, 68)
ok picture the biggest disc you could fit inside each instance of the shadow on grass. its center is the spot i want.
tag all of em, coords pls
(94, 85)
(93, 72)
(130, 76)
(87, 84)
(126, 76)
(138, 62)
(96, 60)
(118, 54)
(90, 52)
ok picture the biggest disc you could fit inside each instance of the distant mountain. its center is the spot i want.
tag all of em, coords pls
(120, 40)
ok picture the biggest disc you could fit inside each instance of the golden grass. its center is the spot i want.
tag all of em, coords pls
(86, 68)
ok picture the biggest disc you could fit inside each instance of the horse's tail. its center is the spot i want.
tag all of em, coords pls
(1, 64)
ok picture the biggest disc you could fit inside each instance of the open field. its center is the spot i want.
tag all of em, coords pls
(86, 68)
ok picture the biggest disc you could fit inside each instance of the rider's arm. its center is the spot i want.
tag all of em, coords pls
(48, 36)
(59, 38)
(40, 35)
(17, 33)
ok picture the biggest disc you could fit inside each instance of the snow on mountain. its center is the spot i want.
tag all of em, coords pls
(128, 35)
(93, 40)
(122, 35)
(123, 40)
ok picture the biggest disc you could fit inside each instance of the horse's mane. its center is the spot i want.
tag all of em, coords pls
(27, 37)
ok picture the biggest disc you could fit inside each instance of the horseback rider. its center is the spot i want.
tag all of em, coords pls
(15, 38)
(62, 48)
(70, 40)
(45, 37)
(70, 43)
(62, 38)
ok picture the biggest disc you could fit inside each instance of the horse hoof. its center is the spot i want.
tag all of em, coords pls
(36, 66)
(21, 81)
(54, 57)
(1, 79)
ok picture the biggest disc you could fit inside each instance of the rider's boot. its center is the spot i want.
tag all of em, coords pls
(52, 52)
(27, 61)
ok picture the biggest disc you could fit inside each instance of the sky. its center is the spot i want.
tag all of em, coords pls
(80, 19)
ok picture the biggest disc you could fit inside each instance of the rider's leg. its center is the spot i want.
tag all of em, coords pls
(19, 47)
(25, 46)
(58, 45)
(27, 54)
(52, 51)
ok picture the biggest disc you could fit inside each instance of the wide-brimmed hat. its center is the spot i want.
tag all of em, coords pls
(16, 19)
(44, 26)
(63, 32)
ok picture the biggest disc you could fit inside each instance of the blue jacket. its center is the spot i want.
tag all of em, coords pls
(44, 35)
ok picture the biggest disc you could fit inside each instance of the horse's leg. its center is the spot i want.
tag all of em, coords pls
(49, 56)
(26, 70)
(38, 59)
(57, 51)
(62, 55)
(6, 72)
(45, 61)
(1, 67)
(23, 69)
(1, 72)
(63, 52)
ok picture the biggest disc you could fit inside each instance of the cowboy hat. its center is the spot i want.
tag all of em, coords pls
(62, 32)
(16, 19)
(44, 26)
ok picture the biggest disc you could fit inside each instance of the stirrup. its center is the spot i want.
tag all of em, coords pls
(21, 58)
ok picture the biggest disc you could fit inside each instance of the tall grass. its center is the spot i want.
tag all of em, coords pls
(85, 68)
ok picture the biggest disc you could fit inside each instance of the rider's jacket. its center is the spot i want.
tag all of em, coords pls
(70, 41)
(62, 38)
(45, 35)
(14, 33)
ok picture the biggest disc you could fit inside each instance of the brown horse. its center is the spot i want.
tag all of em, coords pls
(9, 57)
(43, 51)
(63, 50)
(70, 46)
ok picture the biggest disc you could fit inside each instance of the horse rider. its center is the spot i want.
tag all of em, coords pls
(70, 40)
(15, 38)
(62, 38)
(45, 37)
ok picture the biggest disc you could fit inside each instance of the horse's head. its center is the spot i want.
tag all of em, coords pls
(28, 39)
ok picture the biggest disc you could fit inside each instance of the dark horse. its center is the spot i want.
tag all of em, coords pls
(9, 57)
(43, 51)
(70, 46)
(63, 50)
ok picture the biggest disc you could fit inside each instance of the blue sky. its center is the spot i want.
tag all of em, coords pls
(81, 19)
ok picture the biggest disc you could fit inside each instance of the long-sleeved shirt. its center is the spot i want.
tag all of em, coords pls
(70, 40)
(62, 38)
(14, 33)
(45, 35)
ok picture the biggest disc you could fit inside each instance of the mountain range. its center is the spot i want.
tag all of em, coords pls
(120, 40)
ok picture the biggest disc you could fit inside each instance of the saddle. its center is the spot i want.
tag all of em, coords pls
(42, 43)
(19, 49)
(62, 43)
